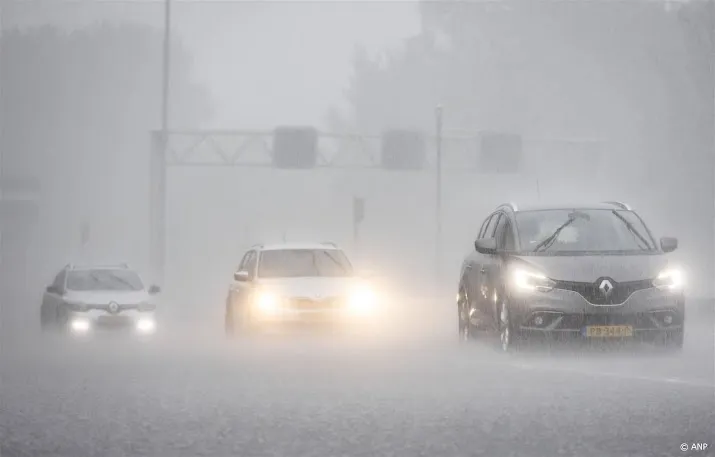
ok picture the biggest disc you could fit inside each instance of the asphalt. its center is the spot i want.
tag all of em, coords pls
(189, 392)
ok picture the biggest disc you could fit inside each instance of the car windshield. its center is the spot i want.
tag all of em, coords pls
(295, 263)
(104, 279)
(594, 230)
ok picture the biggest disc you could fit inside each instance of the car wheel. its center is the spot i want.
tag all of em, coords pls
(45, 324)
(673, 341)
(229, 321)
(465, 328)
(508, 338)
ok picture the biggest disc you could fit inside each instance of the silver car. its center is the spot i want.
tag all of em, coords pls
(296, 284)
(589, 272)
(85, 299)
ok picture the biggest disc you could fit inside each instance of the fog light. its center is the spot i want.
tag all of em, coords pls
(80, 325)
(539, 321)
(667, 320)
(146, 325)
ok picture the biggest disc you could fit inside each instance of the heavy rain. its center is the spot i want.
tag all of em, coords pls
(357, 228)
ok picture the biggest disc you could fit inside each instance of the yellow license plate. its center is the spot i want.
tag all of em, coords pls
(609, 331)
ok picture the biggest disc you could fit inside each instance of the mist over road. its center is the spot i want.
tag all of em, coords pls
(416, 393)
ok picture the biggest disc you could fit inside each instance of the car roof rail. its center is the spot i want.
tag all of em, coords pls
(77, 266)
(619, 204)
(256, 246)
(330, 243)
(510, 205)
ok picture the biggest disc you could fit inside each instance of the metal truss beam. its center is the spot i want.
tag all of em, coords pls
(253, 148)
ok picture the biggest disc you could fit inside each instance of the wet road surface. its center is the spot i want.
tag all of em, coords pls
(198, 395)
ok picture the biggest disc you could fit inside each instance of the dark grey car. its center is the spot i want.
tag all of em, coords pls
(590, 272)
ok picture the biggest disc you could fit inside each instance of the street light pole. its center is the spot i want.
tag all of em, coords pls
(160, 237)
(165, 72)
(438, 194)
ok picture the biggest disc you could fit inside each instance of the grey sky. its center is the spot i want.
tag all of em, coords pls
(266, 63)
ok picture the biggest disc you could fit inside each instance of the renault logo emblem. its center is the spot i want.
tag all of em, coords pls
(113, 307)
(606, 287)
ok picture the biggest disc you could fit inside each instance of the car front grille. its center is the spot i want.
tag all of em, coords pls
(642, 321)
(310, 304)
(577, 321)
(105, 307)
(114, 321)
(591, 292)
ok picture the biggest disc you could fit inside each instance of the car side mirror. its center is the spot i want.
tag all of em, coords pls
(668, 244)
(486, 245)
(154, 289)
(50, 289)
(241, 276)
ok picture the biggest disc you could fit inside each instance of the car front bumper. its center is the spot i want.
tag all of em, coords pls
(645, 314)
(314, 319)
(139, 322)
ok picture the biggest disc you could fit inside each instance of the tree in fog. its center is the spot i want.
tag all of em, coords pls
(76, 109)
(547, 67)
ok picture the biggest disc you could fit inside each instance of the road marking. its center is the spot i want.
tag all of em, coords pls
(688, 382)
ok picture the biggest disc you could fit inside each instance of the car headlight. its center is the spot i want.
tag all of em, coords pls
(362, 300)
(267, 302)
(80, 325)
(145, 325)
(528, 281)
(670, 279)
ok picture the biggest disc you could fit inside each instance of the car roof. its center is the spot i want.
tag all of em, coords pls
(104, 266)
(556, 206)
(288, 246)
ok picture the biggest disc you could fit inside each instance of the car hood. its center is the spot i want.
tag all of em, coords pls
(590, 268)
(100, 297)
(320, 287)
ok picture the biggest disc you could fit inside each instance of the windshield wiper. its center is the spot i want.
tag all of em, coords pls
(118, 279)
(335, 261)
(551, 239)
(634, 231)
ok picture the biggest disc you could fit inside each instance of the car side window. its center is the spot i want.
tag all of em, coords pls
(59, 282)
(505, 234)
(250, 266)
(489, 233)
(244, 261)
(483, 228)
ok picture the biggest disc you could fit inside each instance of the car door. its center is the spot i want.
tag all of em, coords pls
(52, 298)
(237, 287)
(496, 265)
(482, 272)
(477, 270)
(470, 267)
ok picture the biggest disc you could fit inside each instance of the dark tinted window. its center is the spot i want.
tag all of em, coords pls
(483, 228)
(59, 282)
(599, 230)
(104, 279)
(504, 235)
(294, 263)
(489, 232)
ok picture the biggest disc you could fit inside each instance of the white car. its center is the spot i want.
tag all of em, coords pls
(85, 299)
(293, 284)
